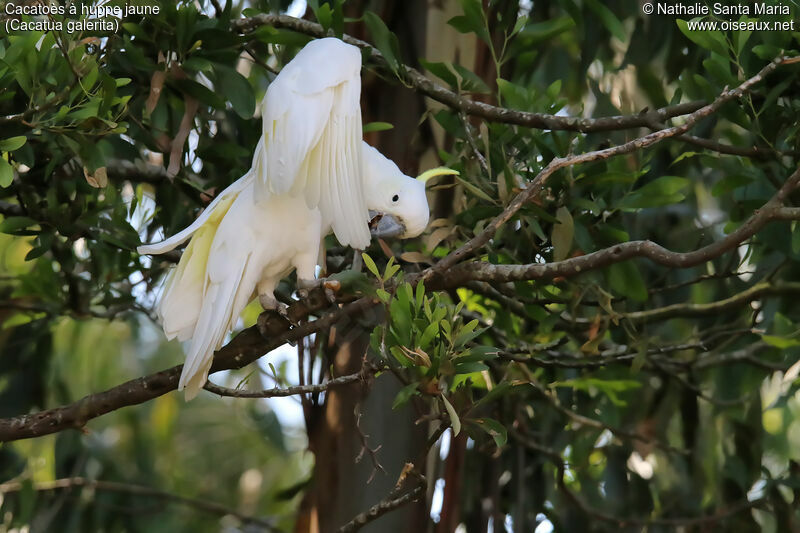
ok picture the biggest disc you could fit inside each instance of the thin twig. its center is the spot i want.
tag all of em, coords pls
(381, 508)
(139, 490)
(289, 391)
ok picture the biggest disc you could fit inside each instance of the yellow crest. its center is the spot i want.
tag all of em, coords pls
(438, 171)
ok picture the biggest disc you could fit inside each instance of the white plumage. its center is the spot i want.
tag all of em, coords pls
(311, 175)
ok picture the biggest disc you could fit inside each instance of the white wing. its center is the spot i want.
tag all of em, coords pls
(311, 141)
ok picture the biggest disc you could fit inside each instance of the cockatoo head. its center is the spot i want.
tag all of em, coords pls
(400, 199)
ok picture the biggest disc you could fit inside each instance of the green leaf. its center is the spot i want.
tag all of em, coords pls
(609, 20)
(466, 333)
(419, 296)
(730, 183)
(469, 367)
(12, 143)
(473, 20)
(431, 330)
(6, 173)
(385, 41)
(201, 92)
(547, 30)
(495, 429)
(371, 266)
(611, 388)
(441, 70)
(325, 16)
(12, 224)
(795, 237)
(383, 295)
(563, 233)
(377, 126)
(238, 91)
(661, 191)
(461, 24)
(390, 270)
(626, 280)
(780, 342)
(767, 52)
(455, 422)
(685, 155)
(520, 24)
(475, 190)
(710, 40)
(404, 395)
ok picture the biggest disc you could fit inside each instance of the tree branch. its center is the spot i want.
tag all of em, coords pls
(424, 85)
(694, 310)
(293, 391)
(138, 490)
(390, 503)
(245, 348)
(537, 184)
(250, 345)
(460, 274)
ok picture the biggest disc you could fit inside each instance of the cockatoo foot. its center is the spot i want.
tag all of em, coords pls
(305, 285)
(269, 302)
(329, 286)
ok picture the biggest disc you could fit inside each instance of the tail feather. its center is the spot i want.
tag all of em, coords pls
(184, 290)
(211, 328)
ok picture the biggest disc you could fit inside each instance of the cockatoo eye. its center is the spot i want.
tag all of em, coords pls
(395, 198)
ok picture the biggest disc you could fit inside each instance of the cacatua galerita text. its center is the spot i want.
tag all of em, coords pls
(311, 175)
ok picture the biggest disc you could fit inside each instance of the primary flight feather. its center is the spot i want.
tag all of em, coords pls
(311, 175)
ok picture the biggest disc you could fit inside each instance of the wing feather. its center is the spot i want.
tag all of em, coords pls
(311, 141)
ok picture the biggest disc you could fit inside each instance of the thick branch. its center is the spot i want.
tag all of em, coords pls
(248, 346)
(425, 86)
(463, 273)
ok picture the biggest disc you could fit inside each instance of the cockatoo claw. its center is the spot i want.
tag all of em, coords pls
(330, 295)
(283, 310)
(269, 302)
(305, 285)
(331, 287)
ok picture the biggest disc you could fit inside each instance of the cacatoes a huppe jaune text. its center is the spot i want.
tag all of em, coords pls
(311, 175)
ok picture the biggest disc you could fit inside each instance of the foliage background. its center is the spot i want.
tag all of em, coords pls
(599, 418)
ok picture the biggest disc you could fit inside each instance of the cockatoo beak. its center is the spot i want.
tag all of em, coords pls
(387, 227)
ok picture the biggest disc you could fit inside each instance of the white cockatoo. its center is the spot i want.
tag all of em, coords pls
(311, 175)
